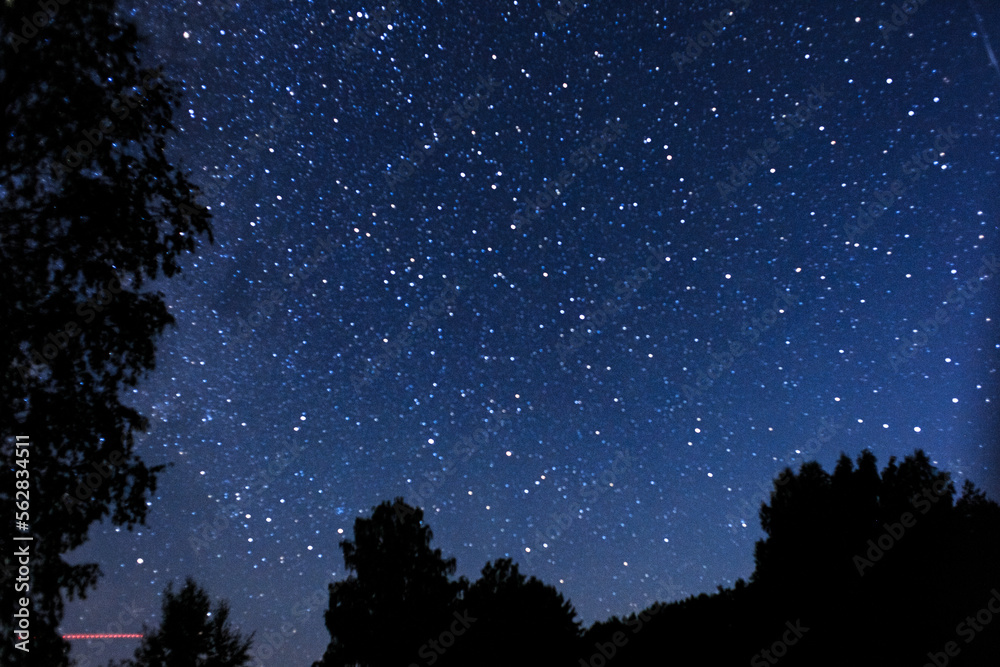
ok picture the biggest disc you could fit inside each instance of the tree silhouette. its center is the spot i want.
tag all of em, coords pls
(858, 567)
(517, 621)
(878, 564)
(91, 211)
(399, 595)
(191, 634)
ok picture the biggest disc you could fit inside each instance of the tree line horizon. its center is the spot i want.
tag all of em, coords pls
(840, 578)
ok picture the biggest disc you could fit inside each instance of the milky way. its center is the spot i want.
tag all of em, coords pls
(579, 280)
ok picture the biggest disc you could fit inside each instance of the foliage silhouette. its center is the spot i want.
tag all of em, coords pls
(878, 570)
(857, 567)
(91, 211)
(401, 607)
(191, 634)
(515, 618)
(398, 596)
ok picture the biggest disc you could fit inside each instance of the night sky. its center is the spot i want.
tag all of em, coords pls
(641, 275)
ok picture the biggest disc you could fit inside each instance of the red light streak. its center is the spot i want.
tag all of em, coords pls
(102, 636)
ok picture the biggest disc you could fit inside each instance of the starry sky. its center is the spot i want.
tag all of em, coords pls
(642, 256)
